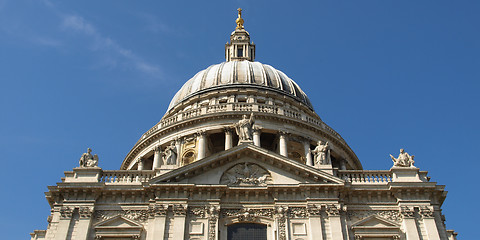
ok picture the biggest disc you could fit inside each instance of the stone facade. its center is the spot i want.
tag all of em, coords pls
(192, 177)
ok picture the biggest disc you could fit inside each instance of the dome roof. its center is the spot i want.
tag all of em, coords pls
(240, 74)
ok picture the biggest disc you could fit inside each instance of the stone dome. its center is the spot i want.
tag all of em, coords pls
(236, 74)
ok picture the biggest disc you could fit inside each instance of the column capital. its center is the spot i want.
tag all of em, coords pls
(426, 211)
(85, 212)
(257, 129)
(332, 210)
(201, 133)
(228, 129)
(407, 211)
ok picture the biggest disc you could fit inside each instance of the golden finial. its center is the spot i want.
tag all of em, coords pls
(239, 20)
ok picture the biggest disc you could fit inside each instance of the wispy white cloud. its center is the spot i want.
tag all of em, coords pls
(78, 24)
(153, 24)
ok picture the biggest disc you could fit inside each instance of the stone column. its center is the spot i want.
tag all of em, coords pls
(84, 222)
(308, 154)
(283, 144)
(157, 219)
(141, 163)
(157, 158)
(178, 146)
(256, 136)
(180, 213)
(202, 144)
(315, 222)
(409, 223)
(336, 231)
(228, 137)
(429, 223)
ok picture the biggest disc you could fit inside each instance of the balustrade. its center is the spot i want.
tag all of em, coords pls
(365, 176)
(126, 176)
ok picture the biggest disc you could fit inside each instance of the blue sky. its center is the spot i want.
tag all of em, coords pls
(384, 74)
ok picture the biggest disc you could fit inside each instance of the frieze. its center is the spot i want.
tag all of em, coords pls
(199, 212)
(407, 212)
(85, 212)
(66, 212)
(391, 215)
(332, 210)
(297, 212)
(136, 215)
(179, 210)
(157, 210)
(426, 212)
(313, 210)
(247, 214)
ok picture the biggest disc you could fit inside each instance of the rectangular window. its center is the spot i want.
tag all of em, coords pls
(239, 52)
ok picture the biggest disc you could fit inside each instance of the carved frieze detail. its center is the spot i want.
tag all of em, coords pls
(157, 210)
(66, 212)
(247, 214)
(179, 210)
(213, 214)
(297, 212)
(281, 213)
(136, 215)
(332, 210)
(246, 174)
(407, 212)
(391, 215)
(199, 212)
(85, 212)
(426, 212)
(313, 210)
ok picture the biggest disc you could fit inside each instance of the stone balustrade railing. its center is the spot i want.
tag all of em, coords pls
(365, 176)
(126, 176)
(247, 107)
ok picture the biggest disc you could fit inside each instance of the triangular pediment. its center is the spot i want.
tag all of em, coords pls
(118, 222)
(375, 222)
(246, 164)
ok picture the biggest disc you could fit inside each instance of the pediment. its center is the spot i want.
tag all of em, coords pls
(375, 222)
(246, 165)
(118, 222)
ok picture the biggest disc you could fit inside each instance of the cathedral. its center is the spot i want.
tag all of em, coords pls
(241, 154)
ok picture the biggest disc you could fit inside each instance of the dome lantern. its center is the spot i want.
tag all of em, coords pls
(239, 48)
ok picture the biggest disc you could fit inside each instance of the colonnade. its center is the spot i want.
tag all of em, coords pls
(202, 146)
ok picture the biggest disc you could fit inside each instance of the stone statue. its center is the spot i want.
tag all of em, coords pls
(322, 154)
(170, 154)
(244, 128)
(88, 160)
(403, 160)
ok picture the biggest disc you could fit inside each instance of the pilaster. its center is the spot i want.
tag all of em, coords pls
(180, 214)
(333, 213)
(409, 224)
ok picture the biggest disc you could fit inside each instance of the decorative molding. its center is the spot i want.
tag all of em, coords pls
(280, 212)
(179, 210)
(213, 213)
(247, 214)
(407, 212)
(136, 215)
(313, 210)
(426, 212)
(297, 212)
(391, 215)
(85, 212)
(246, 174)
(157, 210)
(199, 212)
(66, 212)
(332, 210)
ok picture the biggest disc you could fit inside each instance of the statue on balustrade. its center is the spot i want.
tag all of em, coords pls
(321, 153)
(170, 157)
(244, 128)
(88, 160)
(403, 160)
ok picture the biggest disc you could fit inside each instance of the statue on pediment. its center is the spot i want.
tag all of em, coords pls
(321, 153)
(403, 160)
(244, 128)
(88, 160)
(170, 157)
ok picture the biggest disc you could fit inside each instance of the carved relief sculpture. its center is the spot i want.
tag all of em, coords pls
(403, 160)
(321, 153)
(88, 160)
(245, 174)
